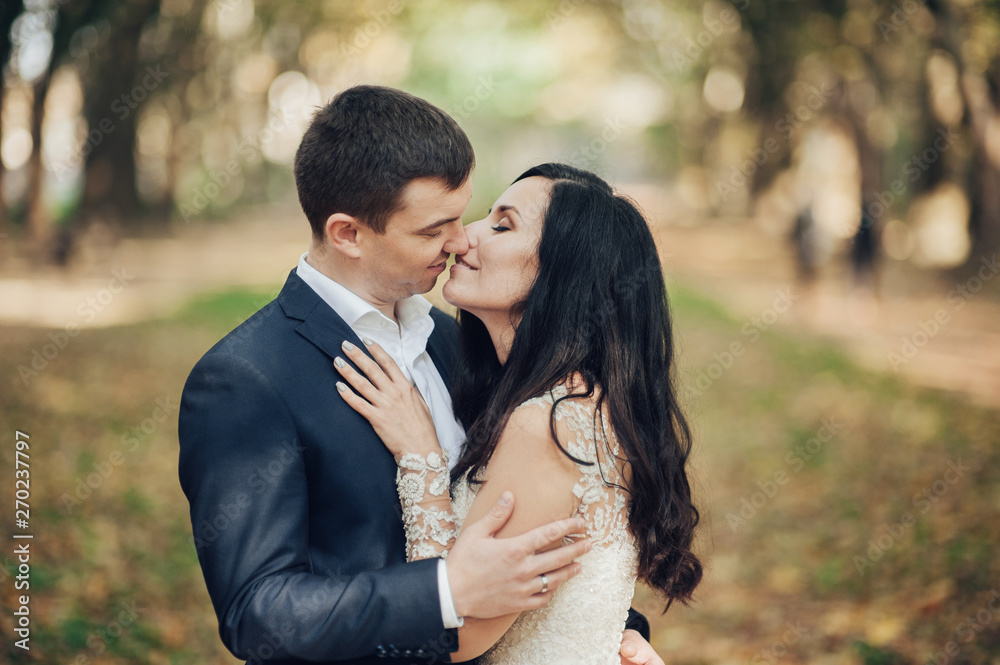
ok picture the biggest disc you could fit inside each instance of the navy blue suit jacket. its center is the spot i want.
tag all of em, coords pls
(293, 501)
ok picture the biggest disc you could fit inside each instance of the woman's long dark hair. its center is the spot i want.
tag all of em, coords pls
(598, 307)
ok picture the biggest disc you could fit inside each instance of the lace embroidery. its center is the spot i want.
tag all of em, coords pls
(428, 517)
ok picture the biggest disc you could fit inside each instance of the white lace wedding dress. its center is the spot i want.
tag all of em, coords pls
(583, 623)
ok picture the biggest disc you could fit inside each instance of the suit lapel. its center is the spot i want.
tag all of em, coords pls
(320, 324)
(440, 355)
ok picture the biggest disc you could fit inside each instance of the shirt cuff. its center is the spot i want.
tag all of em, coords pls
(448, 613)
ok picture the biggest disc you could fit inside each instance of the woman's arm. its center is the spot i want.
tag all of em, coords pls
(428, 518)
(401, 419)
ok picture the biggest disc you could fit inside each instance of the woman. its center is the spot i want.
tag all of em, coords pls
(565, 391)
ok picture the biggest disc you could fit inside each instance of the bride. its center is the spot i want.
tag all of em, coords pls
(565, 391)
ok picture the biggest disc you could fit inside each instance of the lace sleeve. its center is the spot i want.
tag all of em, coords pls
(428, 516)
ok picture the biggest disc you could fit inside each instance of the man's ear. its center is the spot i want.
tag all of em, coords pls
(341, 234)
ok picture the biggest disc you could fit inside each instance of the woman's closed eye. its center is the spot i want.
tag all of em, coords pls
(499, 228)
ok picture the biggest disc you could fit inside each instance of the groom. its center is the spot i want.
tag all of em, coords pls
(293, 505)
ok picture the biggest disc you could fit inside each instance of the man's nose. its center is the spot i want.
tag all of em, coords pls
(457, 242)
(472, 233)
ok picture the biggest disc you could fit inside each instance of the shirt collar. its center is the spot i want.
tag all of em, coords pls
(412, 312)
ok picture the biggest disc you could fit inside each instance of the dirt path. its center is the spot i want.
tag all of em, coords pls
(933, 332)
(915, 328)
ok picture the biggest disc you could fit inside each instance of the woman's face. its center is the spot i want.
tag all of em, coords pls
(502, 262)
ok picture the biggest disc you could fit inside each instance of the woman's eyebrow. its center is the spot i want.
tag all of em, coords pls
(505, 208)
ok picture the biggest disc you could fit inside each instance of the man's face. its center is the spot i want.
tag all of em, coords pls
(409, 256)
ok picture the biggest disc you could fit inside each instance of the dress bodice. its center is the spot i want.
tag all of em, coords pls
(583, 623)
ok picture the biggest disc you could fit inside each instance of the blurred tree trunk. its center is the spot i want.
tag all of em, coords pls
(982, 180)
(184, 53)
(983, 184)
(117, 86)
(71, 16)
(9, 11)
(38, 223)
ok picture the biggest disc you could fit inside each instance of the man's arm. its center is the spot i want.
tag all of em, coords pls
(637, 621)
(242, 469)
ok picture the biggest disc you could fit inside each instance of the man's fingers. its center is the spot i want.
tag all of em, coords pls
(554, 579)
(494, 520)
(385, 361)
(552, 533)
(637, 651)
(559, 557)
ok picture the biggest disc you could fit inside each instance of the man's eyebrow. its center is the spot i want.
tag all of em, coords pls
(441, 222)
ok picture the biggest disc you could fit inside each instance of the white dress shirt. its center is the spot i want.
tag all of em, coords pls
(406, 344)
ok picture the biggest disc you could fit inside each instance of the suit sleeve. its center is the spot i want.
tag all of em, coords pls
(242, 469)
(638, 623)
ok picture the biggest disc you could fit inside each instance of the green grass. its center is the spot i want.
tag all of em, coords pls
(792, 560)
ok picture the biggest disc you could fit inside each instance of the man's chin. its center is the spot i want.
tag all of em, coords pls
(422, 287)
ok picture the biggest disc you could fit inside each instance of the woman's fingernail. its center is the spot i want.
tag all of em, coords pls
(341, 386)
(505, 498)
(368, 341)
(339, 362)
(347, 346)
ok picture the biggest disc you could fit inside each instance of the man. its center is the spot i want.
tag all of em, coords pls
(293, 503)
